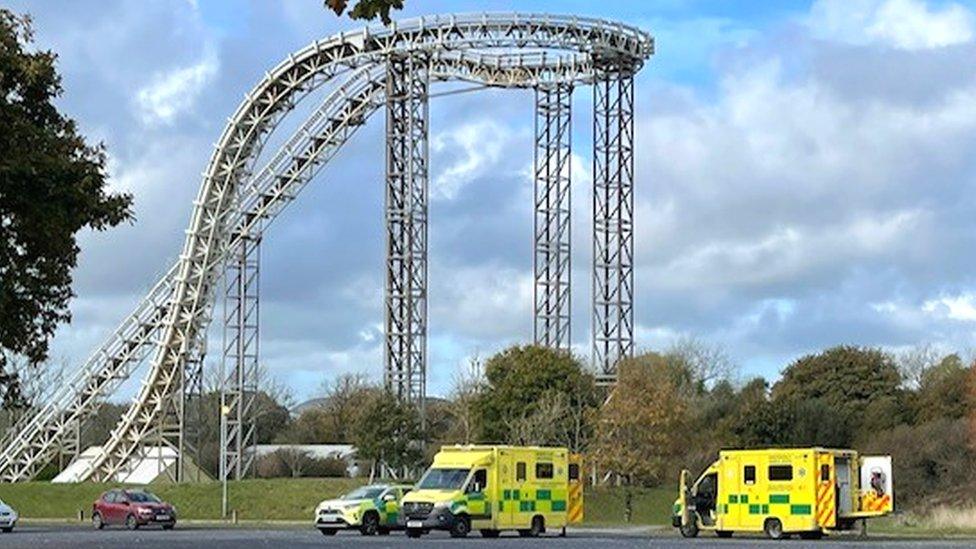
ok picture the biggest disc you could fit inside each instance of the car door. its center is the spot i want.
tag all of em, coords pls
(108, 508)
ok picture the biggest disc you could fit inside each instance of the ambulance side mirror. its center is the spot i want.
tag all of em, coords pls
(389, 497)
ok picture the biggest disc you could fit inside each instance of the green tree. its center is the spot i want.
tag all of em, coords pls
(518, 379)
(366, 9)
(52, 185)
(847, 379)
(942, 391)
(387, 431)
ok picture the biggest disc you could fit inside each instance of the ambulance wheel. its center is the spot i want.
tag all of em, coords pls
(371, 524)
(723, 533)
(461, 527)
(773, 528)
(414, 532)
(689, 530)
(538, 526)
(489, 533)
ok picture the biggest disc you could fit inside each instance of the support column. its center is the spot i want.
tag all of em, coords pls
(405, 353)
(553, 145)
(613, 211)
(239, 368)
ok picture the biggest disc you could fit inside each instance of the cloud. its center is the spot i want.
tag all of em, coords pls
(903, 24)
(172, 93)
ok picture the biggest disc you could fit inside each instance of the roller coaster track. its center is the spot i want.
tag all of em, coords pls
(232, 203)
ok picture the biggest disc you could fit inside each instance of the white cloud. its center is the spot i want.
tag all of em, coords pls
(472, 150)
(955, 307)
(903, 24)
(171, 93)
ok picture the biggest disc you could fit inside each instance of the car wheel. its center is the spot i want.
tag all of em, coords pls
(131, 523)
(489, 533)
(538, 526)
(328, 531)
(461, 527)
(723, 533)
(371, 524)
(414, 532)
(7, 529)
(97, 521)
(689, 530)
(773, 528)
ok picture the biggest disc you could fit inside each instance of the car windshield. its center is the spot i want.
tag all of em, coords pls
(143, 497)
(443, 479)
(366, 492)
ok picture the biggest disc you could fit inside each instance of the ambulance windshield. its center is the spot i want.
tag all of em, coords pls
(443, 479)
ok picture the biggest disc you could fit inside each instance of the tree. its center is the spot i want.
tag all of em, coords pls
(463, 404)
(386, 431)
(707, 363)
(52, 185)
(366, 9)
(942, 391)
(847, 379)
(517, 380)
(642, 426)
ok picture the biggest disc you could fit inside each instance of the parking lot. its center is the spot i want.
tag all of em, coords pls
(40, 535)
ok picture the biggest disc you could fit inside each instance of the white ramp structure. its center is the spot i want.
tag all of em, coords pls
(393, 68)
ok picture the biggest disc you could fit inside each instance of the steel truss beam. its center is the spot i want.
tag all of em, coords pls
(613, 213)
(184, 318)
(239, 367)
(405, 356)
(553, 147)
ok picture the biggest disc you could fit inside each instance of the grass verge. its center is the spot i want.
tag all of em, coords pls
(291, 499)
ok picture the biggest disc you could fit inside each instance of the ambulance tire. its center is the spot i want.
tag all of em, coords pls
(723, 533)
(538, 526)
(773, 528)
(414, 532)
(461, 527)
(371, 524)
(489, 533)
(689, 530)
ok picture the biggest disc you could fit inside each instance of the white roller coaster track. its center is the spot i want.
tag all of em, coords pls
(174, 314)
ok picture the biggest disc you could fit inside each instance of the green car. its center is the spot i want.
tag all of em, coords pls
(372, 510)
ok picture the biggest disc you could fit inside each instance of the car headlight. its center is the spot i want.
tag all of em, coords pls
(145, 511)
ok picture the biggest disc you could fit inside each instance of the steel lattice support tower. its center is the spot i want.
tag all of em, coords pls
(405, 354)
(613, 213)
(553, 145)
(239, 369)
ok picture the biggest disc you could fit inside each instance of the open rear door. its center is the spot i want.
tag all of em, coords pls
(574, 511)
(826, 510)
(877, 485)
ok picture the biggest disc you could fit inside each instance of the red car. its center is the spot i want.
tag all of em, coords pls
(133, 508)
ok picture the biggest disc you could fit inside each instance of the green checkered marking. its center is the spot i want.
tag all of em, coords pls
(754, 509)
(559, 505)
(744, 498)
(765, 509)
(526, 506)
(543, 495)
(733, 498)
(800, 509)
(779, 498)
(506, 495)
(515, 495)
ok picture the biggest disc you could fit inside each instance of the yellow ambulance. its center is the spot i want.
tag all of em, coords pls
(805, 491)
(495, 488)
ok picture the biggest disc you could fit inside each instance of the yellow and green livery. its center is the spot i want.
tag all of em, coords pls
(373, 509)
(496, 488)
(806, 491)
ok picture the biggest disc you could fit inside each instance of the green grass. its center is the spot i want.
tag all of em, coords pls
(289, 499)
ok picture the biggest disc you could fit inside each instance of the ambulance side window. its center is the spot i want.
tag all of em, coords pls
(780, 472)
(574, 472)
(543, 470)
(479, 482)
(520, 471)
(749, 474)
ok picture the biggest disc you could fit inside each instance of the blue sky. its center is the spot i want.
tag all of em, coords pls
(805, 178)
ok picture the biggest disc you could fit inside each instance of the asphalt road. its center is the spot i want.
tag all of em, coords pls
(216, 538)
